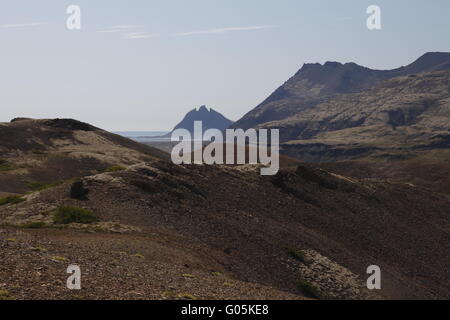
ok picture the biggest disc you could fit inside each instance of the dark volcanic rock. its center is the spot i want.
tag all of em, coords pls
(78, 191)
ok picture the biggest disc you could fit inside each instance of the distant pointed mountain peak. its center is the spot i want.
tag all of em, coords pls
(203, 108)
(211, 119)
(333, 64)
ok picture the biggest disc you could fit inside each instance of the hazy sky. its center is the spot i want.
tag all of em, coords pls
(142, 64)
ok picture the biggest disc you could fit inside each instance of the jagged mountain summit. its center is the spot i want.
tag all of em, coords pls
(211, 119)
(314, 83)
(337, 111)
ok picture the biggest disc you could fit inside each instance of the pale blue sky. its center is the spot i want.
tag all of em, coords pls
(178, 54)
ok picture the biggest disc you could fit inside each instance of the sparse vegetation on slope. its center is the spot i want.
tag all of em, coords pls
(298, 255)
(5, 166)
(69, 214)
(115, 169)
(39, 186)
(309, 290)
(11, 200)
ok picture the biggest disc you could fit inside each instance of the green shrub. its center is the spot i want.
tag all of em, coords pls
(309, 290)
(68, 214)
(115, 169)
(34, 225)
(5, 166)
(11, 199)
(298, 255)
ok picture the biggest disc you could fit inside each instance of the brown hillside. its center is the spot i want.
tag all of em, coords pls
(40, 152)
(244, 226)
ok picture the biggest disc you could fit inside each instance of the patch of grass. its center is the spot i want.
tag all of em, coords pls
(168, 294)
(34, 225)
(309, 290)
(298, 255)
(186, 296)
(216, 274)
(59, 259)
(5, 166)
(11, 200)
(140, 256)
(188, 275)
(4, 295)
(11, 239)
(115, 169)
(98, 229)
(69, 214)
(227, 284)
(39, 186)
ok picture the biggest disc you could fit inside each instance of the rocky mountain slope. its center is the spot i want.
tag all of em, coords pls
(344, 111)
(314, 83)
(165, 232)
(399, 118)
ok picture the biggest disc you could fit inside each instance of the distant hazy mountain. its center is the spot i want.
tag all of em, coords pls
(314, 83)
(211, 119)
